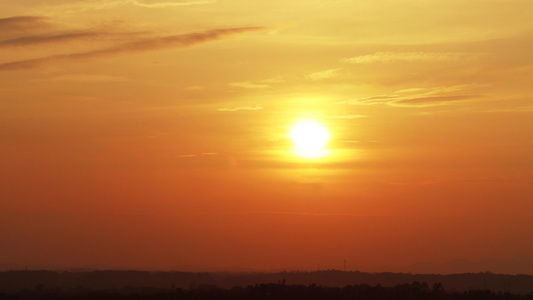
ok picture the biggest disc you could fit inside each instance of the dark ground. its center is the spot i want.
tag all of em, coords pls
(328, 284)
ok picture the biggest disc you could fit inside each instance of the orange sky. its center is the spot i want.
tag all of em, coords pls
(154, 133)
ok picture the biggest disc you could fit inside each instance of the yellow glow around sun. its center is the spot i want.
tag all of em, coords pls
(310, 138)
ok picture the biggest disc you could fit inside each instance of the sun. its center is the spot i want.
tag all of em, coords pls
(310, 138)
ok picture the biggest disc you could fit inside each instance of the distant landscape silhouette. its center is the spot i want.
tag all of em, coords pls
(327, 284)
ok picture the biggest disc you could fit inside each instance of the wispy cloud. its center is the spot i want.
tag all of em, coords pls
(27, 31)
(390, 57)
(257, 107)
(138, 45)
(197, 154)
(487, 179)
(160, 4)
(21, 24)
(250, 85)
(347, 117)
(81, 6)
(418, 97)
(324, 74)
(258, 84)
(379, 99)
(87, 78)
(410, 101)
(432, 100)
(50, 38)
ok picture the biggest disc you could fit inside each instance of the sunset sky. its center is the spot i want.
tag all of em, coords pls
(157, 134)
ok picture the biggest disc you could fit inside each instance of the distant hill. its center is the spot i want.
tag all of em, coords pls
(517, 265)
(511, 266)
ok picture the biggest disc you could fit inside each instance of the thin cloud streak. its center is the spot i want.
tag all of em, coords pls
(27, 31)
(258, 84)
(390, 57)
(84, 78)
(21, 24)
(82, 6)
(249, 85)
(51, 38)
(419, 97)
(432, 100)
(169, 3)
(348, 117)
(327, 74)
(410, 101)
(231, 109)
(197, 154)
(146, 44)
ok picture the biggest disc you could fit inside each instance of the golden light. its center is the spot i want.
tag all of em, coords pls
(310, 138)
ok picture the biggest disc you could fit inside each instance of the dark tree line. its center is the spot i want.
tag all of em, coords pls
(14, 281)
(273, 291)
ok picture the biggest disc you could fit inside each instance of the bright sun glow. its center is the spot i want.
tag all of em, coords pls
(310, 138)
